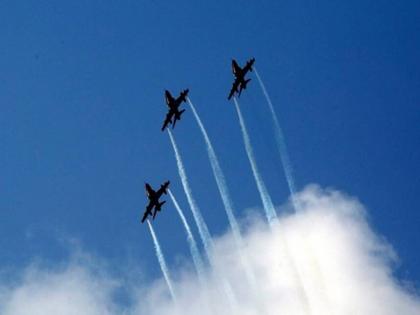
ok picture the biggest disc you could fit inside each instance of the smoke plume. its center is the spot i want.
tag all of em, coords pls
(356, 263)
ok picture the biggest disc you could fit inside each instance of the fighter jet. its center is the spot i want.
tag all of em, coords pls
(173, 104)
(154, 197)
(239, 73)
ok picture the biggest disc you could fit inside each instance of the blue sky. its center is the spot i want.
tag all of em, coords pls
(81, 93)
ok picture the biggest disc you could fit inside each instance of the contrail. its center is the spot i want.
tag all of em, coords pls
(270, 209)
(202, 226)
(288, 171)
(225, 195)
(268, 205)
(198, 218)
(281, 143)
(162, 262)
(198, 262)
(219, 177)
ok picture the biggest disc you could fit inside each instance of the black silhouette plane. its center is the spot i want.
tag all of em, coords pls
(173, 105)
(239, 73)
(154, 197)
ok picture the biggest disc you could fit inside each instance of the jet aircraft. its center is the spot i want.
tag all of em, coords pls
(154, 202)
(239, 73)
(173, 104)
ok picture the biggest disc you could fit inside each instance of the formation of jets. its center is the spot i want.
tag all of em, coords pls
(174, 114)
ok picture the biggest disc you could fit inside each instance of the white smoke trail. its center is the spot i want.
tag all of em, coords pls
(219, 177)
(281, 143)
(198, 218)
(268, 205)
(201, 224)
(270, 210)
(162, 261)
(198, 262)
(288, 171)
(224, 193)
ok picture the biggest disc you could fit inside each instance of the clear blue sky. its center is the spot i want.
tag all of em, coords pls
(81, 98)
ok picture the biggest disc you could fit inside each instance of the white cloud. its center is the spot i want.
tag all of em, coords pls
(323, 260)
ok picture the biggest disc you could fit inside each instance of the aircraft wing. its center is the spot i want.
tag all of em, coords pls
(248, 66)
(159, 192)
(182, 97)
(149, 190)
(168, 120)
(235, 68)
(163, 189)
(234, 89)
(169, 98)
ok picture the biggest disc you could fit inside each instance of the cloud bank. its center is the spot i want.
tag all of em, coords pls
(344, 268)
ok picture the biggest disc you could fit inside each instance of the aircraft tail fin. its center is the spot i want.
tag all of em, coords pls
(177, 117)
(243, 86)
(158, 208)
(160, 204)
(180, 113)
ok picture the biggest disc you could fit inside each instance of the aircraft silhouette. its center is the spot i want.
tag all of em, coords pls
(173, 105)
(239, 73)
(154, 197)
